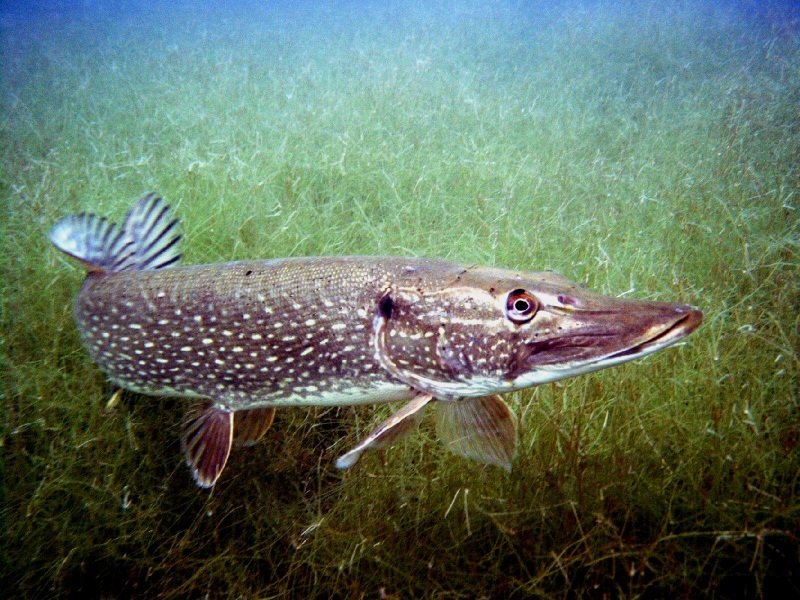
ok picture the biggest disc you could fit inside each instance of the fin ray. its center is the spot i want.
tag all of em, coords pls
(249, 426)
(95, 241)
(483, 429)
(153, 235)
(206, 441)
(389, 431)
(148, 239)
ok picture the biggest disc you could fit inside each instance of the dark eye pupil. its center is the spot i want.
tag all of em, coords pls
(521, 306)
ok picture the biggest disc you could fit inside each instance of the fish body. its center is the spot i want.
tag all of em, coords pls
(247, 337)
(285, 332)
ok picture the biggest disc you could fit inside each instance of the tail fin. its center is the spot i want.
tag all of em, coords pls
(148, 239)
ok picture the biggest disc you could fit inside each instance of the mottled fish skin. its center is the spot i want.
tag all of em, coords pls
(285, 332)
(250, 336)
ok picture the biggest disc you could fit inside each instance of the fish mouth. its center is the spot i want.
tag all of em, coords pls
(672, 333)
(687, 319)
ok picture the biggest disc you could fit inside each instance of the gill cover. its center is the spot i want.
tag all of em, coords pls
(436, 342)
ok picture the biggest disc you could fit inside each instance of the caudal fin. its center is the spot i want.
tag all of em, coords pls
(148, 239)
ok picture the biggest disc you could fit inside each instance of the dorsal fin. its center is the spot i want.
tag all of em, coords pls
(148, 239)
(153, 234)
(95, 241)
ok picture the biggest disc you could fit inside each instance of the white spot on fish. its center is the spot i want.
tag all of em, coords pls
(338, 326)
(307, 351)
(135, 326)
(310, 322)
(186, 349)
(208, 341)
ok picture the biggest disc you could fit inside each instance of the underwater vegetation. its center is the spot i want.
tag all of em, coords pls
(650, 151)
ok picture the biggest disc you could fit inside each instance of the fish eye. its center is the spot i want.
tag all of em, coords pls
(521, 306)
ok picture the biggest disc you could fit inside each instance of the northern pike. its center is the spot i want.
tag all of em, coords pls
(247, 337)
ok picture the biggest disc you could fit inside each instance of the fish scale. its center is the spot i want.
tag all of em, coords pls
(248, 337)
(284, 332)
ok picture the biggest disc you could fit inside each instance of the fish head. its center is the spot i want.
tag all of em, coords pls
(493, 331)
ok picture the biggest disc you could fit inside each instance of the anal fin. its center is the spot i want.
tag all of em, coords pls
(389, 431)
(206, 440)
(249, 426)
(483, 429)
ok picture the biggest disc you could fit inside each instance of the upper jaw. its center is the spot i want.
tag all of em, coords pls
(687, 319)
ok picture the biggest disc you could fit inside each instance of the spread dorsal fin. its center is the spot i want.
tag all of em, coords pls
(153, 234)
(95, 241)
(148, 239)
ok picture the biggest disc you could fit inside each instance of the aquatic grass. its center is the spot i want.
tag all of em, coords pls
(650, 151)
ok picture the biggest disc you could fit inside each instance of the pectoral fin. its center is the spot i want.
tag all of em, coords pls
(207, 438)
(483, 429)
(389, 431)
(249, 426)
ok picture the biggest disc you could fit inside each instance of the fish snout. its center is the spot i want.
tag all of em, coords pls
(692, 317)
